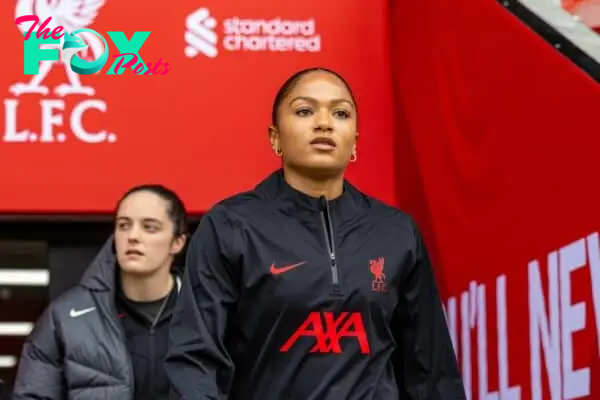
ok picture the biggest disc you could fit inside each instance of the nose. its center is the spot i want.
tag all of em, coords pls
(323, 122)
(134, 233)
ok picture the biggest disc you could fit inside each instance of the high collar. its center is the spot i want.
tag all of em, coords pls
(275, 188)
(101, 274)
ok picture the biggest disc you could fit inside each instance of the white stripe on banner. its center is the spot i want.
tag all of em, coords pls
(24, 277)
(8, 361)
(15, 328)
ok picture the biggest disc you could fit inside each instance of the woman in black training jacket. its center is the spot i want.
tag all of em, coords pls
(305, 288)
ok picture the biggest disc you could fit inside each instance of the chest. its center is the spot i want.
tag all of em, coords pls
(93, 350)
(147, 348)
(309, 263)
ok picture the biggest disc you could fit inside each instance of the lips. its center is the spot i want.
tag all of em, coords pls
(323, 141)
(134, 253)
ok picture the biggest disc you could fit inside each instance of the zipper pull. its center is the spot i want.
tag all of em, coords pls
(324, 204)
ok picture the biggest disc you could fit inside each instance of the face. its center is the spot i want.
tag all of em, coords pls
(317, 124)
(144, 234)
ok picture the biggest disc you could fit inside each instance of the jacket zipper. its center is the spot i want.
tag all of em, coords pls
(111, 311)
(152, 329)
(129, 364)
(330, 242)
(123, 340)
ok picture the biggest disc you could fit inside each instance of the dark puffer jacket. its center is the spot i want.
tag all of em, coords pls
(78, 349)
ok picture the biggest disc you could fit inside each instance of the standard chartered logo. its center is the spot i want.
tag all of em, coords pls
(234, 34)
(200, 36)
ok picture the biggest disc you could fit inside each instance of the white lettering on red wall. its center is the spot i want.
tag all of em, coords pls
(556, 313)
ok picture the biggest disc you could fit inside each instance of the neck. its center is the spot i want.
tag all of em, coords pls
(330, 187)
(147, 288)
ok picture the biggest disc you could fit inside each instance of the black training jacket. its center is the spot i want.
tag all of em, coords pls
(289, 297)
(79, 349)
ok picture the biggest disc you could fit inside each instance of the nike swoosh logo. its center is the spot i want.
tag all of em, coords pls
(78, 313)
(281, 270)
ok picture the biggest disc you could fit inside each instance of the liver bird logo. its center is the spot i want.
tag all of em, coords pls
(376, 268)
(71, 15)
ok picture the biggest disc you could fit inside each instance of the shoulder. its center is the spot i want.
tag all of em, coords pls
(394, 223)
(388, 215)
(220, 226)
(242, 203)
(50, 324)
(391, 221)
(73, 299)
(237, 207)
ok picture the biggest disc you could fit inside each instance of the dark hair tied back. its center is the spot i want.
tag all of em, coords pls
(176, 208)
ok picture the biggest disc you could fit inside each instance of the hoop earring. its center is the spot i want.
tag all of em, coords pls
(278, 152)
(353, 157)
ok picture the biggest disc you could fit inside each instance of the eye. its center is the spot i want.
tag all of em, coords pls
(151, 228)
(122, 225)
(341, 114)
(304, 112)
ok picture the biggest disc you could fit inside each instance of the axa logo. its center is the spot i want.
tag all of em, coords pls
(58, 124)
(204, 35)
(327, 330)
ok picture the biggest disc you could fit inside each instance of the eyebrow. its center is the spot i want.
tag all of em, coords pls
(146, 219)
(312, 100)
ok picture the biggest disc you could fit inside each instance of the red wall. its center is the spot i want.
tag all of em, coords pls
(200, 129)
(502, 128)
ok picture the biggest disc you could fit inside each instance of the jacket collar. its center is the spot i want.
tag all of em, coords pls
(276, 189)
(101, 274)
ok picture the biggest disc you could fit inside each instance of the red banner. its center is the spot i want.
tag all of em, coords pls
(503, 130)
(202, 127)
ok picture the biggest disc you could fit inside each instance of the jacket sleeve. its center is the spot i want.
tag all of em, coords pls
(425, 362)
(40, 374)
(198, 364)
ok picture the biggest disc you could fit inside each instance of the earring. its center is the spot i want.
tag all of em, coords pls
(278, 152)
(353, 157)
